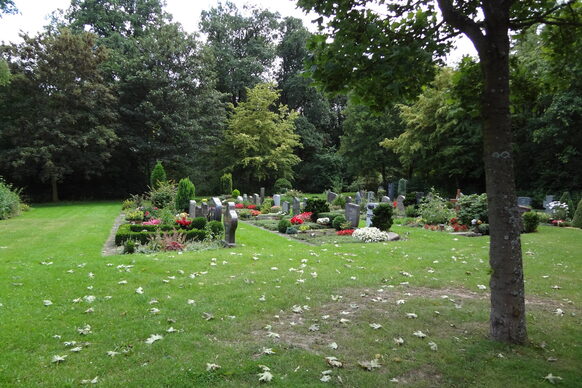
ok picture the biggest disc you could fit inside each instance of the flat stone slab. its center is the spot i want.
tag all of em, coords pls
(466, 234)
(393, 236)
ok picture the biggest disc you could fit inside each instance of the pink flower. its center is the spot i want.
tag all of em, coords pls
(153, 221)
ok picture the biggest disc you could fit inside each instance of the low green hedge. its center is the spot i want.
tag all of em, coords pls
(330, 215)
(143, 233)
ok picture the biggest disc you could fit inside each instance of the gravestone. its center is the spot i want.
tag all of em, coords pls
(262, 191)
(245, 198)
(385, 199)
(400, 204)
(230, 225)
(217, 209)
(524, 201)
(296, 206)
(370, 197)
(192, 209)
(353, 214)
(204, 210)
(358, 198)
(370, 212)
(198, 211)
(331, 196)
(239, 198)
(391, 189)
(349, 199)
(256, 199)
(285, 207)
(303, 203)
(276, 200)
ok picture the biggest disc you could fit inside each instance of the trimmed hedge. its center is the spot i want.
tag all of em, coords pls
(125, 233)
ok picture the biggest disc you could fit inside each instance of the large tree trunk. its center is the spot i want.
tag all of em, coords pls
(507, 317)
(55, 189)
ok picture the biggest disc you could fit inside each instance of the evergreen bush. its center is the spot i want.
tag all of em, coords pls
(226, 183)
(282, 185)
(382, 218)
(158, 175)
(472, 207)
(531, 221)
(186, 192)
(215, 228)
(338, 222)
(235, 193)
(199, 223)
(283, 225)
(163, 195)
(577, 220)
(316, 206)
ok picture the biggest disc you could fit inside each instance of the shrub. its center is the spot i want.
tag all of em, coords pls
(435, 210)
(266, 206)
(129, 247)
(235, 193)
(339, 222)
(340, 201)
(411, 211)
(483, 229)
(559, 210)
(158, 175)
(128, 204)
(9, 200)
(199, 223)
(135, 215)
(163, 195)
(402, 186)
(291, 230)
(577, 220)
(544, 217)
(186, 192)
(283, 225)
(382, 218)
(226, 183)
(215, 228)
(316, 206)
(567, 199)
(472, 207)
(244, 214)
(329, 215)
(141, 228)
(531, 221)
(282, 185)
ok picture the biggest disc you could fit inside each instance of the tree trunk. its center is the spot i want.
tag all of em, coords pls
(507, 317)
(55, 189)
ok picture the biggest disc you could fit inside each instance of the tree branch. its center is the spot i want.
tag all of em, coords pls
(542, 18)
(461, 22)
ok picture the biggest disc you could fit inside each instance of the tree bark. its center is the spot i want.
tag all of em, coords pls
(507, 318)
(55, 189)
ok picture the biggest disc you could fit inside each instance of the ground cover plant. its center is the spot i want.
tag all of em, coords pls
(414, 311)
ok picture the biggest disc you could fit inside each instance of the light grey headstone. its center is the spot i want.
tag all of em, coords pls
(349, 199)
(204, 210)
(256, 199)
(216, 209)
(277, 200)
(391, 189)
(524, 201)
(262, 191)
(370, 197)
(296, 206)
(198, 211)
(358, 198)
(331, 196)
(240, 199)
(547, 200)
(400, 204)
(385, 199)
(230, 225)
(303, 203)
(192, 209)
(245, 197)
(353, 214)
(285, 207)
(370, 212)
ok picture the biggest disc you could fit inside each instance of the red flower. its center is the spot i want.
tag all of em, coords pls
(345, 232)
(297, 220)
(255, 213)
(183, 222)
(239, 206)
(394, 204)
(251, 207)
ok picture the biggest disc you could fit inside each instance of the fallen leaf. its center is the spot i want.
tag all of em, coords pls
(433, 346)
(419, 334)
(212, 366)
(112, 353)
(265, 376)
(552, 379)
(93, 381)
(369, 365)
(399, 341)
(47, 302)
(153, 338)
(375, 326)
(333, 345)
(58, 359)
(139, 290)
(333, 361)
(411, 315)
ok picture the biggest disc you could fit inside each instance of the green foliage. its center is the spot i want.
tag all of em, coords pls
(402, 186)
(531, 221)
(134, 215)
(186, 192)
(266, 205)
(411, 211)
(339, 222)
(340, 201)
(215, 229)
(9, 200)
(382, 218)
(260, 138)
(235, 193)
(164, 195)
(158, 175)
(435, 210)
(199, 223)
(316, 206)
(283, 225)
(282, 185)
(577, 220)
(226, 183)
(144, 235)
(291, 230)
(129, 247)
(567, 199)
(472, 207)
(4, 73)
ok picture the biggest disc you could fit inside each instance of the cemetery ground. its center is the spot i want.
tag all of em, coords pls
(170, 319)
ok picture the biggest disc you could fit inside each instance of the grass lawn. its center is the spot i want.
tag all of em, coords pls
(226, 306)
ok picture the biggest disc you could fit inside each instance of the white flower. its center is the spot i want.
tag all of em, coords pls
(370, 234)
(323, 221)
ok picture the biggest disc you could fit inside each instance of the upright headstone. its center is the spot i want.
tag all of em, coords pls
(331, 196)
(296, 206)
(353, 214)
(385, 199)
(391, 189)
(230, 225)
(217, 209)
(240, 199)
(400, 204)
(198, 211)
(349, 199)
(245, 198)
(262, 191)
(276, 200)
(370, 197)
(358, 198)
(256, 199)
(524, 201)
(370, 212)
(303, 203)
(285, 207)
(192, 209)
